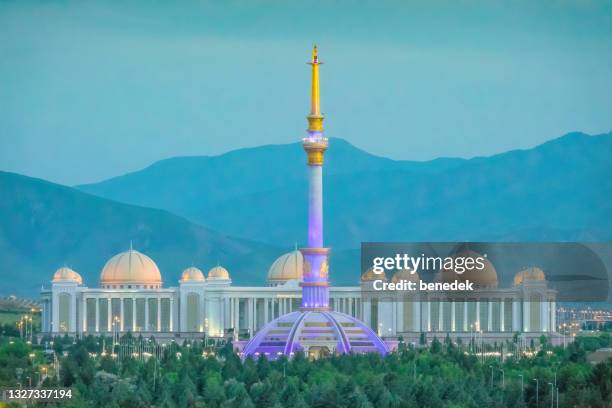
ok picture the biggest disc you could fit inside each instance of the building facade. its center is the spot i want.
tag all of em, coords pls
(131, 297)
(298, 307)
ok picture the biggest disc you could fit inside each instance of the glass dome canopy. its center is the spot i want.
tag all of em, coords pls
(316, 333)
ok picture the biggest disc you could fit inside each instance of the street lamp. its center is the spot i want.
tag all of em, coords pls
(552, 394)
(537, 391)
(491, 367)
(503, 378)
(43, 375)
(522, 388)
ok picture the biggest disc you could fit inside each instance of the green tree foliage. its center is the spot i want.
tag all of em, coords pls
(191, 375)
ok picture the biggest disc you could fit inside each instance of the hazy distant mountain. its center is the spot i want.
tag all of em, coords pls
(560, 190)
(191, 186)
(44, 226)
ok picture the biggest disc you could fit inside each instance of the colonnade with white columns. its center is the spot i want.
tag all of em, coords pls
(492, 311)
(220, 309)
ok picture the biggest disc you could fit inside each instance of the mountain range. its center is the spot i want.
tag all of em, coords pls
(558, 191)
(44, 226)
(246, 207)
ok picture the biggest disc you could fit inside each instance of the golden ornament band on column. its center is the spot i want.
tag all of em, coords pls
(315, 150)
(315, 119)
(315, 157)
(315, 251)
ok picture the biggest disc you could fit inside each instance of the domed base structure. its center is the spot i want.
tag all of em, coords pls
(316, 333)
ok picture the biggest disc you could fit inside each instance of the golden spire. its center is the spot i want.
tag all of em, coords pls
(315, 119)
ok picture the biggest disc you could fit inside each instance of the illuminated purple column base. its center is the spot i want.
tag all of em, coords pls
(315, 287)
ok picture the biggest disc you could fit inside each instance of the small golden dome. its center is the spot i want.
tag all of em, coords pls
(66, 274)
(532, 273)
(218, 273)
(369, 276)
(289, 266)
(192, 274)
(130, 267)
(485, 277)
(405, 274)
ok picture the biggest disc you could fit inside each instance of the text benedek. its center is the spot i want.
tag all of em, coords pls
(379, 284)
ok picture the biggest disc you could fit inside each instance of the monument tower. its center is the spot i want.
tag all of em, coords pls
(314, 329)
(315, 291)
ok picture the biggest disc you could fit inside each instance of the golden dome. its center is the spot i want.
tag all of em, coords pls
(131, 268)
(369, 276)
(289, 266)
(218, 272)
(192, 274)
(530, 274)
(405, 274)
(66, 274)
(486, 277)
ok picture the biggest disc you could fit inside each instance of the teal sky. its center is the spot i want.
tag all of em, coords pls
(90, 90)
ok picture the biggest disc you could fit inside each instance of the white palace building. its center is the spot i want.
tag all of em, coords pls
(132, 297)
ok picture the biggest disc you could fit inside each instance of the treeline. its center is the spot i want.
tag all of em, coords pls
(441, 375)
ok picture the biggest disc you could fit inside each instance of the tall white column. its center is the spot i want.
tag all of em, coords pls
(250, 316)
(171, 314)
(227, 317)
(465, 315)
(367, 313)
(543, 315)
(440, 315)
(502, 307)
(236, 316)
(428, 315)
(73, 307)
(526, 319)
(490, 317)
(146, 299)
(254, 314)
(233, 313)
(134, 326)
(553, 316)
(54, 312)
(121, 313)
(84, 317)
(97, 315)
(266, 305)
(417, 316)
(478, 315)
(516, 319)
(398, 310)
(159, 314)
(109, 315)
(453, 321)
